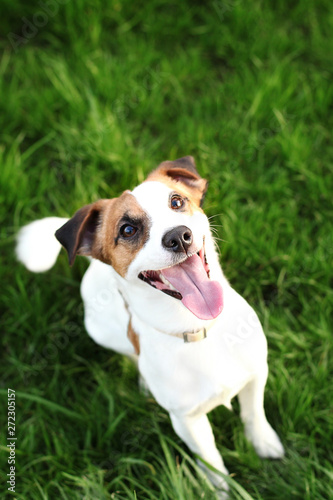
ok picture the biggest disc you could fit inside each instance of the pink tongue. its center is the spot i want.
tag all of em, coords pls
(201, 296)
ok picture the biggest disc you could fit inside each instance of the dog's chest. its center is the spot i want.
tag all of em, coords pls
(186, 378)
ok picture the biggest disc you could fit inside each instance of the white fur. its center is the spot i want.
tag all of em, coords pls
(37, 248)
(188, 380)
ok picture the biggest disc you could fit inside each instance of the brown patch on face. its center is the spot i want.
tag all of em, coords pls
(80, 233)
(119, 246)
(191, 202)
(133, 338)
(181, 175)
(112, 231)
(179, 194)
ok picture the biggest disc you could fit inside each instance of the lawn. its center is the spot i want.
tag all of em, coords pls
(93, 95)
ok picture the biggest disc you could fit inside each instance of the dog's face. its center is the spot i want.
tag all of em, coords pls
(155, 234)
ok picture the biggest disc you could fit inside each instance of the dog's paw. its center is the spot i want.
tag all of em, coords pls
(266, 442)
(222, 494)
(220, 485)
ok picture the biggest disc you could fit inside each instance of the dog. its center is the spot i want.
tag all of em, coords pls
(155, 291)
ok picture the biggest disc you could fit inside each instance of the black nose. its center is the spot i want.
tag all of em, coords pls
(177, 239)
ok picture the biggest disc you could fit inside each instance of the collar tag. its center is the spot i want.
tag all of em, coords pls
(195, 336)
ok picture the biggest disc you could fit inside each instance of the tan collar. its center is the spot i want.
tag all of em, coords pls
(193, 336)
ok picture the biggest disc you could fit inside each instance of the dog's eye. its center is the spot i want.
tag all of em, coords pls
(127, 231)
(176, 202)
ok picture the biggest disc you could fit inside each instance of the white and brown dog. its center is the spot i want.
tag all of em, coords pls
(155, 291)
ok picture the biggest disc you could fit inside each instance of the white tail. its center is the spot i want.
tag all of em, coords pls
(37, 247)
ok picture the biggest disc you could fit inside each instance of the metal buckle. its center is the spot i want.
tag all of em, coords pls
(195, 336)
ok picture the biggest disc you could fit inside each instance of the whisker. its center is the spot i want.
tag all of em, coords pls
(213, 216)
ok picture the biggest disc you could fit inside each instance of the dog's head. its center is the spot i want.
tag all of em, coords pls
(157, 234)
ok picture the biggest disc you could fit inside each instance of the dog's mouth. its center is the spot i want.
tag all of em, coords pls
(189, 281)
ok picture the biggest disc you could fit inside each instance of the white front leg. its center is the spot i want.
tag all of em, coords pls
(257, 429)
(197, 434)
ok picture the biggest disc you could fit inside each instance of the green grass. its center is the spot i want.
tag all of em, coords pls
(88, 106)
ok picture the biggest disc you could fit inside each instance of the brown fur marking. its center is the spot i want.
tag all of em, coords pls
(118, 251)
(134, 338)
(94, 230)
(181, 174)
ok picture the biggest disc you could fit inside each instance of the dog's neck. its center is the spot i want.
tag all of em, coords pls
(187, 336)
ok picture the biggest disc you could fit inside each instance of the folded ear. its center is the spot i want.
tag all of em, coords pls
(182, 170)
(80, 235)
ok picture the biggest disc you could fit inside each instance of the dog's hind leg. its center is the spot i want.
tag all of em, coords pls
(197, 434)
(143, 386)
(257, 429)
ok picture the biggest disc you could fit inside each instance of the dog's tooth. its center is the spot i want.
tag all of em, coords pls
(163, 279)
(172, 287)
(166, 282)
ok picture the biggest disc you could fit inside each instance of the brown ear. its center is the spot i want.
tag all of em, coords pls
(79, 234)
(183, 170)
